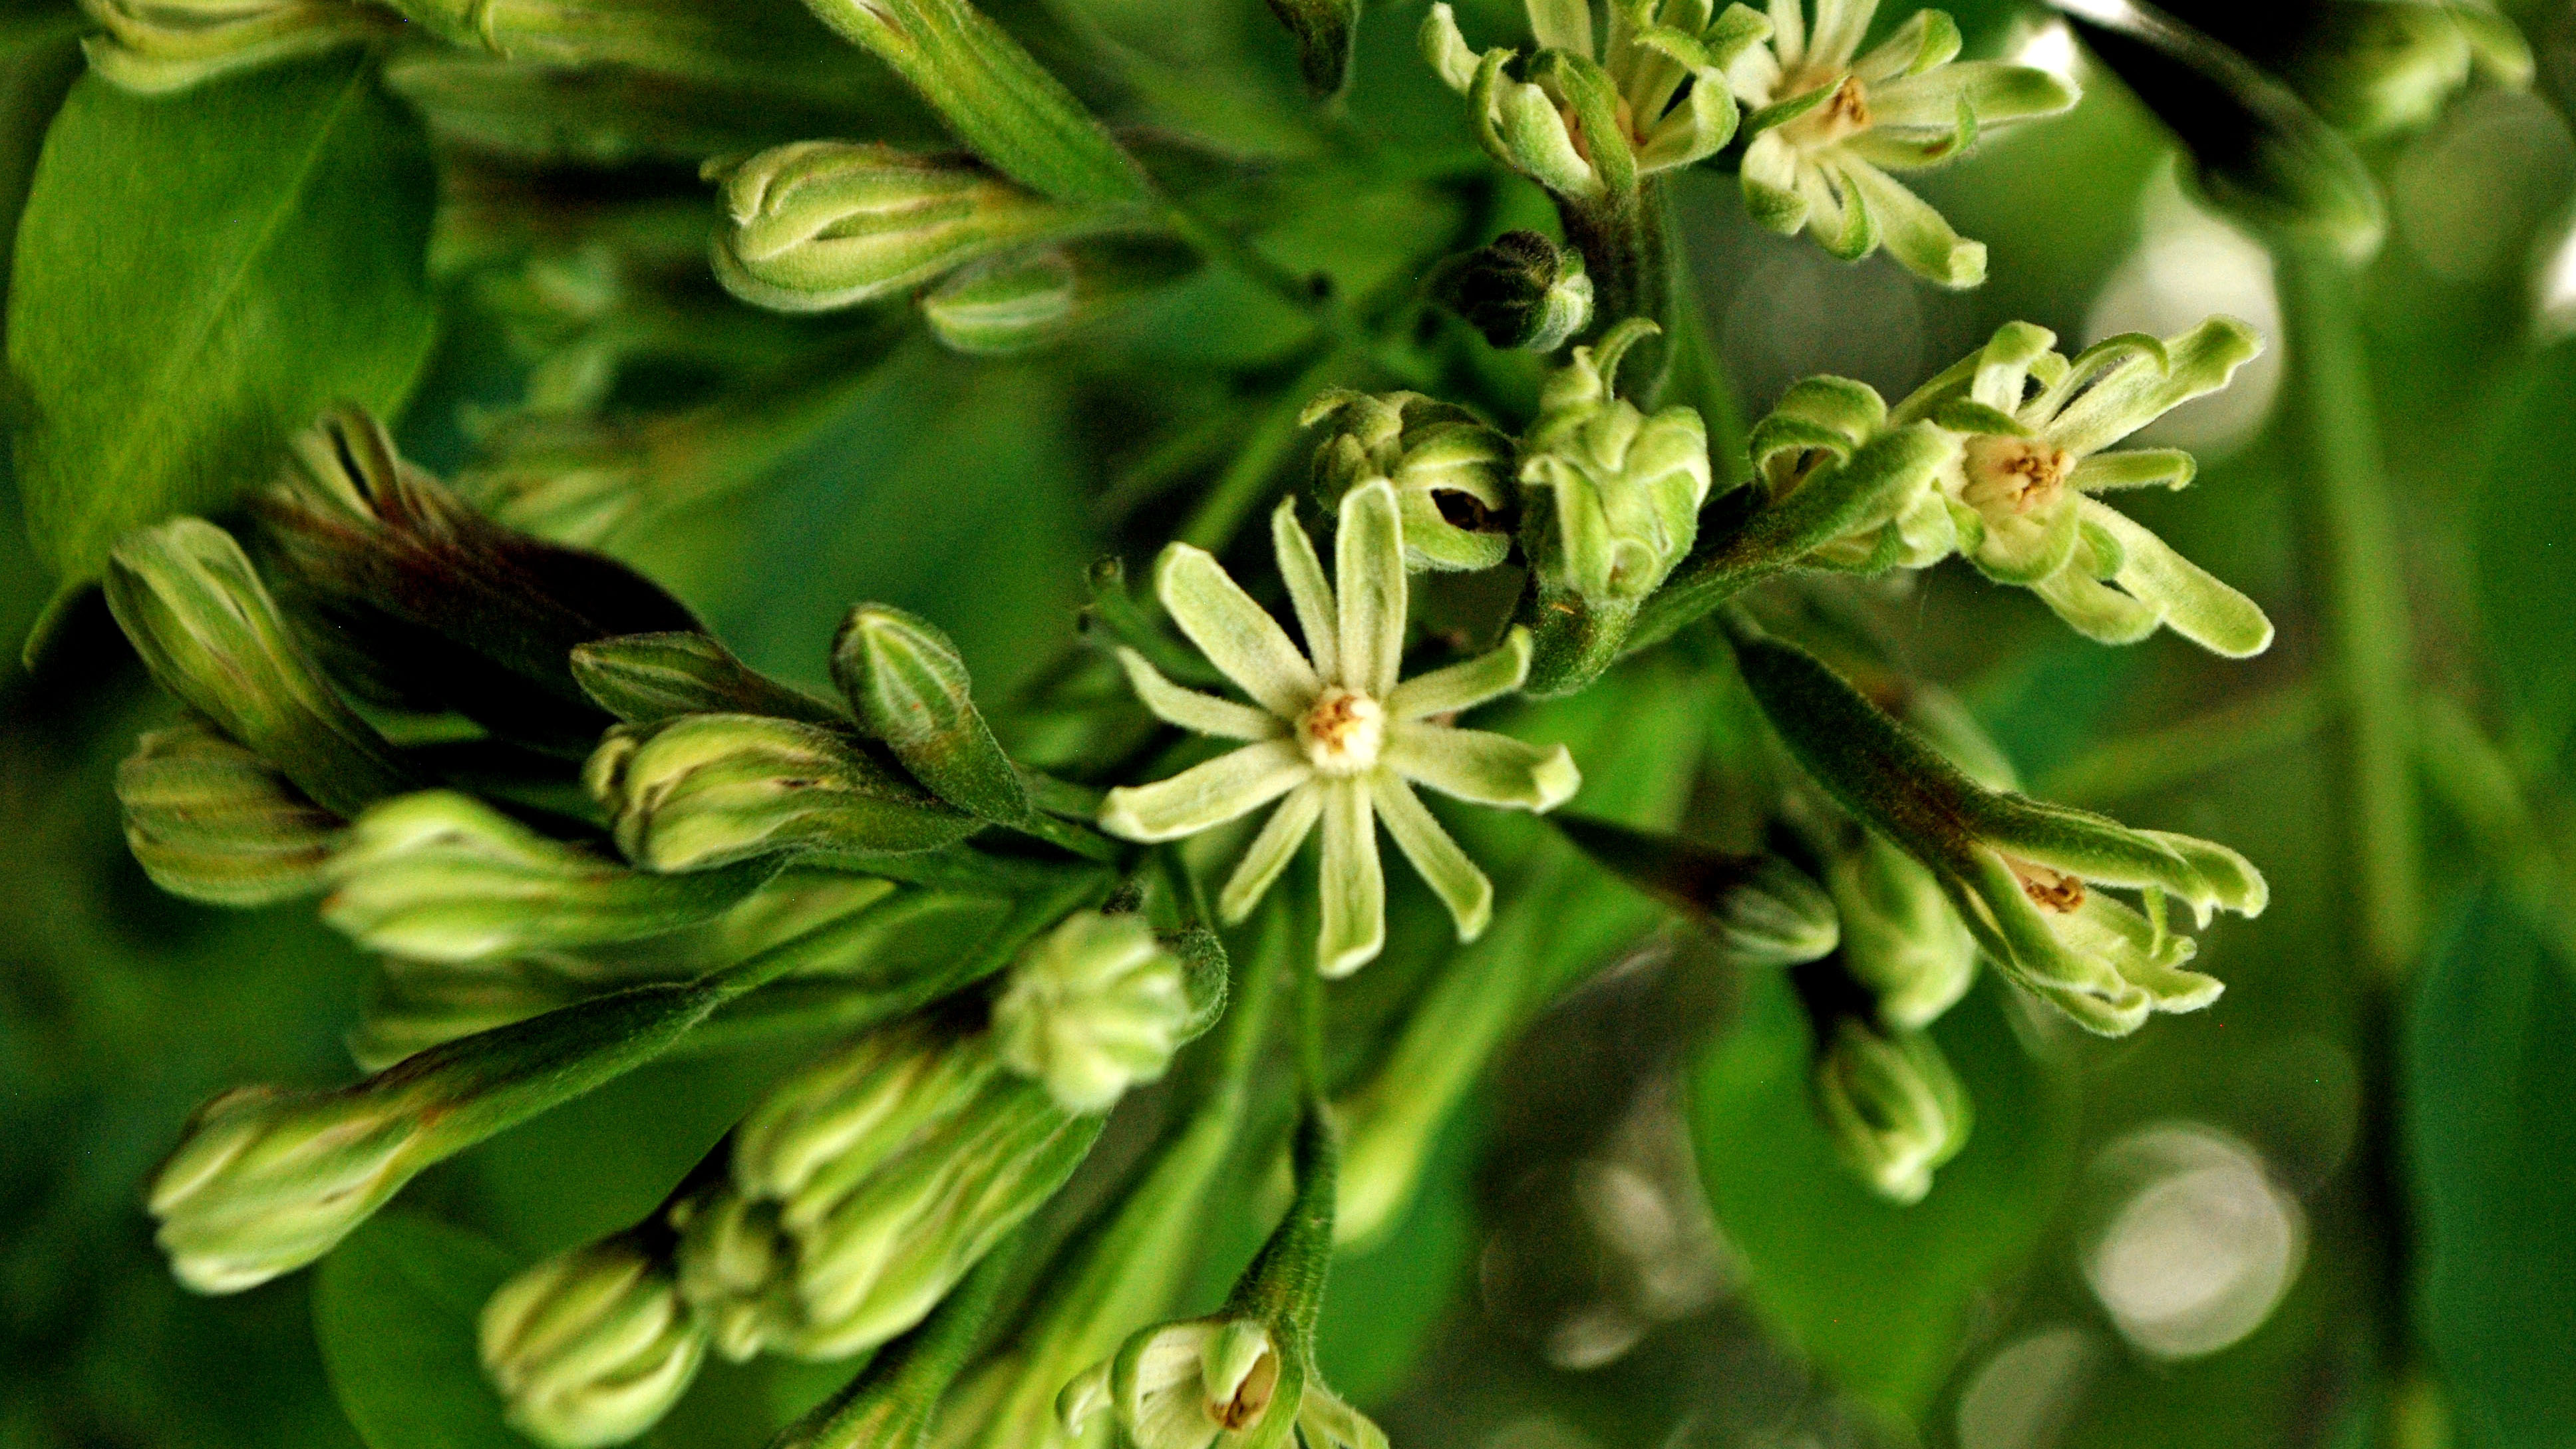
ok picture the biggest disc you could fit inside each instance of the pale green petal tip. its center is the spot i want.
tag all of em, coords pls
(1554, 780)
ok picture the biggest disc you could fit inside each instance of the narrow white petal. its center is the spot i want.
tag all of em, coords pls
(1489, 769)
(1200, 713)
(1464, 686)
(1354, 886)
(1204, 795)
(1272, 849)
(1237, 635)
(1452, 876)
(1308, 590)
(1368, 559)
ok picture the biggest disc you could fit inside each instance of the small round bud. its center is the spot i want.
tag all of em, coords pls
(591, 1347)
(823, 224)
(1610, 496)
(1093, 1007)
(1893, 1108)
(736, 1268)
(444, 877)
(266, 1181)
(1449, 471)
(1519, 290)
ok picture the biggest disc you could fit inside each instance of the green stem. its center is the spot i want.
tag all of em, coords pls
(1628, 255)
(2352, 542)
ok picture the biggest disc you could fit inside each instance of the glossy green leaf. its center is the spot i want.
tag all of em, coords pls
(2490, 1078)
(394, 1310)
(195, 278)
(1878, 1296)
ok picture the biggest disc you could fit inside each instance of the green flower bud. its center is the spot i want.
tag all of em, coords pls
(649, 678)
(1448, 469)
(874, 1262)
(997, 98)
(443, 877)
(1610, 503)
(904, 1389)
(706, 790)
(1892, 1107)
(266, 1181)
(2015, 870)
(1325, 31)
(1520, 290)
(909, 686)
(824, 224)
(1900, 937)
(209, 820)
(155, 46)
(1862, 491)
(1094, 1007)
(1762, 910)
(427, 604)
(735, 1267)
(1013, 306)
(591, 1347)
(206, 627)
(842, 1118)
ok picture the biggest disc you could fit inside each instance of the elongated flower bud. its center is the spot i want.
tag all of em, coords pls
(443, 877)
(1094, 1007)
(206, 627)
(209, 820)
(1449, 470)
(909, 686)
(706, 790)
(265, 1182)
(1892, 1107)
(847, 1114)
(1520, 290)
(823, 224)
(156, 46)
(591, 1347)
(649, 678)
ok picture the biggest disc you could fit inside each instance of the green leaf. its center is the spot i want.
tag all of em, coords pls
(394, 1311)
(195, 278)
(2490, 1076)
(2526, 530)
(1878, 1296)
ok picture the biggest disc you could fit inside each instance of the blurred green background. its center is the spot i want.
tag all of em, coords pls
(2337, 1208)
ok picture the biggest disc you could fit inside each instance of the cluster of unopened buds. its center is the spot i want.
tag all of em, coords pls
(575, 829)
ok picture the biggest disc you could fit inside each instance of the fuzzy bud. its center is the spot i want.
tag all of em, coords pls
(591, 1347)
(818, 225)
(1520, 290)
(266, 1181)
(1450, 472)
(1093, 1007)
(706, 790)
(209, 820)
(909, 685)
(1893, 1108)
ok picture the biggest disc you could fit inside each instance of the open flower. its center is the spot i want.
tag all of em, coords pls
(2033, 427)
(1586, 123)
(1332, 731)
(1828, 124)
(2024, 875)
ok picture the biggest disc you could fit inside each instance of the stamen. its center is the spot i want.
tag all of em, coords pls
(2048, 889)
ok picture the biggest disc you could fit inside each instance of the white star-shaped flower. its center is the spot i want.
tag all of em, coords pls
(1333, 736)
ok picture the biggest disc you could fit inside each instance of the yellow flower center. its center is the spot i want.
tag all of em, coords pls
(2048, 889)
(2013, 476)
(1343, 731)
(1845, 113)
